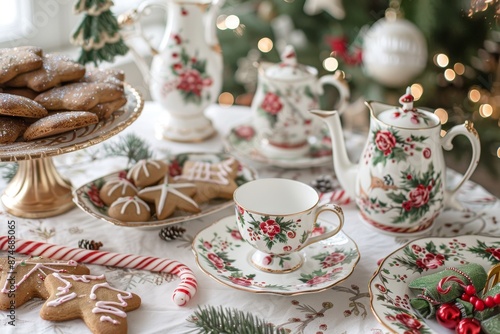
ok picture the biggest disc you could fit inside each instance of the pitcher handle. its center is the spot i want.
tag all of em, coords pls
(339, 82)
(322, 208)
(133, 18)
(467, 129)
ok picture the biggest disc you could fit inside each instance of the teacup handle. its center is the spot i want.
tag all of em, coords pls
(327, 207)
(467, 129)
(339, 82)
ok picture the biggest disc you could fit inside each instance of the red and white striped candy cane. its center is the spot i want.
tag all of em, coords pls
(184, 292)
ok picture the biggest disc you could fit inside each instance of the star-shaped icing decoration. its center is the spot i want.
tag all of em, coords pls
(55, 70)
(24, 279)
(333, 7)
(14, 61)
(90, 298)
(168, 197)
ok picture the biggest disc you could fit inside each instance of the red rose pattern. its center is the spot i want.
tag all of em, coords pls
(270, 228)
(245, 132)
(426, 153)
(192, 82)
(430, 261)
(94, 197)
(241, 281)
(271, 104)
(495, 252)
(409, 321)
(418, 197)
(332, 260)
(385, 141)
(216, 260)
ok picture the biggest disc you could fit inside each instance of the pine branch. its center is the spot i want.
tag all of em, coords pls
(9, 171)
(130, 146)
(218, 320)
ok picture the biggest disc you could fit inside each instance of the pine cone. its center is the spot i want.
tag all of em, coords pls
(170, 233)
(323, 183)
(90, 245)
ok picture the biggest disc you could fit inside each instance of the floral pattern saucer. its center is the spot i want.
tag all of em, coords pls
(87, 196)
(223, 255)
(389, 292)
(242, 141)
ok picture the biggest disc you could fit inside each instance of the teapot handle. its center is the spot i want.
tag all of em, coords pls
(467, 129)
(133, 18)
(339, 82)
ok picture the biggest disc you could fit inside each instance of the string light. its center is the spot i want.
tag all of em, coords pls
(417, 90)
(265, 44)
(441, 60)
(330, 64)
(226, 99)
(232, 22)
(442, 114)
(449, 74)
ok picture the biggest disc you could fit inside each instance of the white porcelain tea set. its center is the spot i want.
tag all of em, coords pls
(399, 184)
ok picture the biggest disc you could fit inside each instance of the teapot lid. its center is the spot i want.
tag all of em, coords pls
(407, 116)
(289, 68)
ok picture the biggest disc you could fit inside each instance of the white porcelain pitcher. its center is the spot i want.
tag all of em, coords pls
(285, 93)
(399, 183)
(185, 75)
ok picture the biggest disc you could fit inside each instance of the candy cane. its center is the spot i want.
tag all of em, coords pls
(184, 292)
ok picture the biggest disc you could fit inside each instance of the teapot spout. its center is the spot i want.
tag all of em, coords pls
(345, 170)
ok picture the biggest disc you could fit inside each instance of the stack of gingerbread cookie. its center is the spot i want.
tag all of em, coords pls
(150, 190)
(46, 94)
(70, 293)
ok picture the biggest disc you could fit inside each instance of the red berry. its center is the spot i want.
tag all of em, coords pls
(479, 305)
(470, 289)
(489, 301)
(465, 297)
(473, 300)
(497, 299)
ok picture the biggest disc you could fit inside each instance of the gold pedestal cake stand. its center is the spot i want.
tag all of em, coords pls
(38, 190)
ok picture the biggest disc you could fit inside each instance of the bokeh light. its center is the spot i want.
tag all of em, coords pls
(232, 22)
(485, 110)
(442, 114)
(226, 99)
(417, 90)
(330, 64)
(441, 60)
(265, 44)
(449, 74)
(459, 68)
(474, 95)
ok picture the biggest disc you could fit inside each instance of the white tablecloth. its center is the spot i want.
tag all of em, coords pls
(350, 301)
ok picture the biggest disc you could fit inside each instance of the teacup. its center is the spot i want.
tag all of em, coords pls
(277, 218)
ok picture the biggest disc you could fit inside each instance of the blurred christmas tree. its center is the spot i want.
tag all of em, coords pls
(461, 73)
(98, 33)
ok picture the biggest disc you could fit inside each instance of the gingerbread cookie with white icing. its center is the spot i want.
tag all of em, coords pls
(168, 197)
(147, 172)
(130, 209)
(213, 180)
(102, 307)
(116, 188)
(23, 280)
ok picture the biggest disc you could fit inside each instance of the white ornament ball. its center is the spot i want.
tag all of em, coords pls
(394, 52)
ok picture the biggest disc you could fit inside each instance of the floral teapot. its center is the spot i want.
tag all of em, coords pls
(285, 92)
(185, 75)
(399, 183)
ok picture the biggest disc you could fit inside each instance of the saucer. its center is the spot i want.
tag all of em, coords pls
(223, 255)
(242, 141)
(389, 291)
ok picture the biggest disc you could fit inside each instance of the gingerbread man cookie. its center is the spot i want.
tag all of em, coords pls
(90, 298)
(168, 197)
(14, 61)
(22, 280)
(215, 180)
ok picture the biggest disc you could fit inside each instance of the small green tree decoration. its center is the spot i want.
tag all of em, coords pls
(98, 33)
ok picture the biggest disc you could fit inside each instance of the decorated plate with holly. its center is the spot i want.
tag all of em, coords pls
(389, 291)
(88, 199)
(222, 254)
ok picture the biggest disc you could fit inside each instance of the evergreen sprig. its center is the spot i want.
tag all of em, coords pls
(218, 320)
(130, 146)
